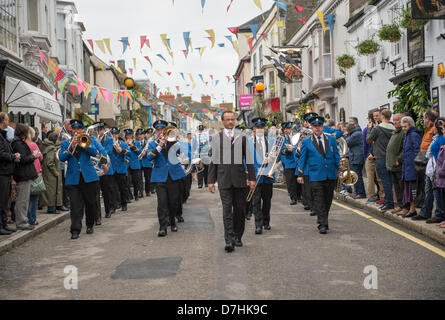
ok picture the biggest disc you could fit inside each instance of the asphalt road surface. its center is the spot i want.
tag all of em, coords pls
(124, 258)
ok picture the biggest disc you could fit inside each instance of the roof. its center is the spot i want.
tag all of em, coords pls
(257, 20)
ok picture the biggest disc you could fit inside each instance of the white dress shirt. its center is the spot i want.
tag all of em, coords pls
(263, 144)
(226, 132)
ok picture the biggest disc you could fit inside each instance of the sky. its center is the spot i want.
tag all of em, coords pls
(134, 18)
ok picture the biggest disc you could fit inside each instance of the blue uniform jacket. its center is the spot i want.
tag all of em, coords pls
(320, 168)
(288, 158)
(108, 146)
(118, 162)
(102, 151)
(300, 171)
(335, 132)
(133, 156)
(145, 163)
(258, 160)
(162, 166)
(76, 167)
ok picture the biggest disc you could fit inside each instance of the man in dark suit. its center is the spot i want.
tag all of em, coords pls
(232, 167)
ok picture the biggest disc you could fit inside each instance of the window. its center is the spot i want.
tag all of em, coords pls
(272, 83)
(297, 90)
(254, 65)
(394, 17)
(327, 54)
(261, 56)
(33, 15)
(372, 61)
(61, 38)
(8, 25)
(311, 72)
(316, 47)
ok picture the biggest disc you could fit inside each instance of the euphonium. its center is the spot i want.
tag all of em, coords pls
(350, 177)
(171, 133)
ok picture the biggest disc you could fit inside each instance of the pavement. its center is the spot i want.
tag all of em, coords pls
(124, 259)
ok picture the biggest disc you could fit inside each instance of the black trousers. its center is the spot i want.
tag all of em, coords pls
(181, 197)
(203, 175)
(116, 194)
(168, 194)
(83, 199)
(234, 212)
(147, 177)
(291, 182)
(106, 185)
(261, 203)
(136, 178)
(99, 207)
(398, 187)
(129, 184)
(5, 183)
(323, 193)
(307, 193)
(65, 193)
(188, 187)
(122, 181)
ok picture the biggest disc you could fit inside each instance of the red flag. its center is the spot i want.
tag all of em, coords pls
(169, 73)
(131, 70)
(211, 77)
(144, 42)
(207, 83)
(302, 20)
(73, 89)
(251, 44)
(59, 76)
(90, 41)
(177, 88)
(298, 8)
(148, 59)
(228, 78)
(228, 8)
(185, 53)
(234, 30)
(113, 62)
(264, 36)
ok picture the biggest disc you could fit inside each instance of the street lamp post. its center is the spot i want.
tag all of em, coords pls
(129, 84)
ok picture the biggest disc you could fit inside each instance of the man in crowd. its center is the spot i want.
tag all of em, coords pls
(289, 163)
(379, 136)
(356, 160)
(200, 148)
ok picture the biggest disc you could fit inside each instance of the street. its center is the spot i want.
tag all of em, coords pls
(124, 258)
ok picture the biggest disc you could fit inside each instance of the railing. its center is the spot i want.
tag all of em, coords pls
(406, 66)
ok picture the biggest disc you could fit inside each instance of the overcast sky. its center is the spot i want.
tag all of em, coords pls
(115, 19)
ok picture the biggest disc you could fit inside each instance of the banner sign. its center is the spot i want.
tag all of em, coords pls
(245, 101)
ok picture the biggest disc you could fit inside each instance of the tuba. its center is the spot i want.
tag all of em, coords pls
(350, 177)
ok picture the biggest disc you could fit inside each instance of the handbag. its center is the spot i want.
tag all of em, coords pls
(420, 161)
(38, 185)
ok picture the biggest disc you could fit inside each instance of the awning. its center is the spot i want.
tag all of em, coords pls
(22, 97)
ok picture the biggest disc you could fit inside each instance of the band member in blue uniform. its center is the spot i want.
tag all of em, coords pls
(167, 175)
(289, 163)
(201, 147)
(320, 153)
(135, 164)
(306, 187)
(107, 181)
(146, 165)
(81, 180)
(120, 163)
(262, 198)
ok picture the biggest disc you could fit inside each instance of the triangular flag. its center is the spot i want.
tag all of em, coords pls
(159, 73)
(250, 44)
(263, 35)
(201, 51)
(228, 8)
(185, 53)
(160, 56)
(169, 73)
(194, 85)
(321, 18)
(59, 76)
(302, 20)
(280, 24)
(145, 71)
(100, 44)
(87, 89)
(73, 89)
(171, 55)
(228, 78)
(298, 8)
(148, 59)
(202, 79)
(131, 71)
(235, 46)
(164, 40)
(187, 40)
(330, 18)
(134, 63)
(63, 83)
(203, 3)
(211, 77)
(211, 33)
(182, 75)
(51, 65)
(90, 41)
(125, 44)
(144, 42)
(108, 44)
(94, 93)
(254, 29)
(229, 38)
(222, 45)
(258, 4)
(42, 56)
(191, 78)
(234, 30)
(216, 82)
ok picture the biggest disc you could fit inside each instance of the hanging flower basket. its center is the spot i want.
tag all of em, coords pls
(390, 32)
(367, 47)
(408, 22)
(345, 61)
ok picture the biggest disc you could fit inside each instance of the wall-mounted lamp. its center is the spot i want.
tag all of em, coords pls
(369, 76)
(440, 70)
(360, 75)
(383, 63)
(442, 35)
(393, 63)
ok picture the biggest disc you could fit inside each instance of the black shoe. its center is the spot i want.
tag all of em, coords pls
(267, 227)
(180, 219)
(7, 228)
(113, 211)
(90, 230)
(108, 215)
(162, 233)
(238, 243)
(148, 194)
(168, 224)
(307, 208)
(136, 199)
(141, 195)
(199, 187)
(313, 214)
(99, 222)
(124, 207)
(418, 218)
(129, 201)
(74, 235)
(207, 185)
(118, 207)
(51, 212)
(62, 208)
(4, 232)
(435, 220)
(174, 228)
(323, 230)
(153, 192)
(294, 202)
(387, 208)
(258, 231)
(410, 214)
(229, 247)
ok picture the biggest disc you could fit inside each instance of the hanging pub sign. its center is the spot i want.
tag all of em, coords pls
(416, 47)
(428, 9)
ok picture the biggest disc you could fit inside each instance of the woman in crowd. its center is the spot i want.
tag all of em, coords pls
(438, 150)
(24, 173)
(411, 148)
(52, 175)
(34, 198)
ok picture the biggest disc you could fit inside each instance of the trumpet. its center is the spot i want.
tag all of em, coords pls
(267, 168)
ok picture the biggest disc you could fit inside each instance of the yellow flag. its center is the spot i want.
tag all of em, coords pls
(87, 89)
(191, 78)
(100, 44)
(258, 4)
(235, 46)
(159, 73)
(171, 55)
(211, 33)
(134, 63)
(247, 36)
(51, 65)
(119, 69)
(194, 85)
(107, 43)
(164, 40)
(201, 51)
(321, 18)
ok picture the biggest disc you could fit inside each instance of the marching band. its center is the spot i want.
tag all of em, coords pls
(101, 160)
